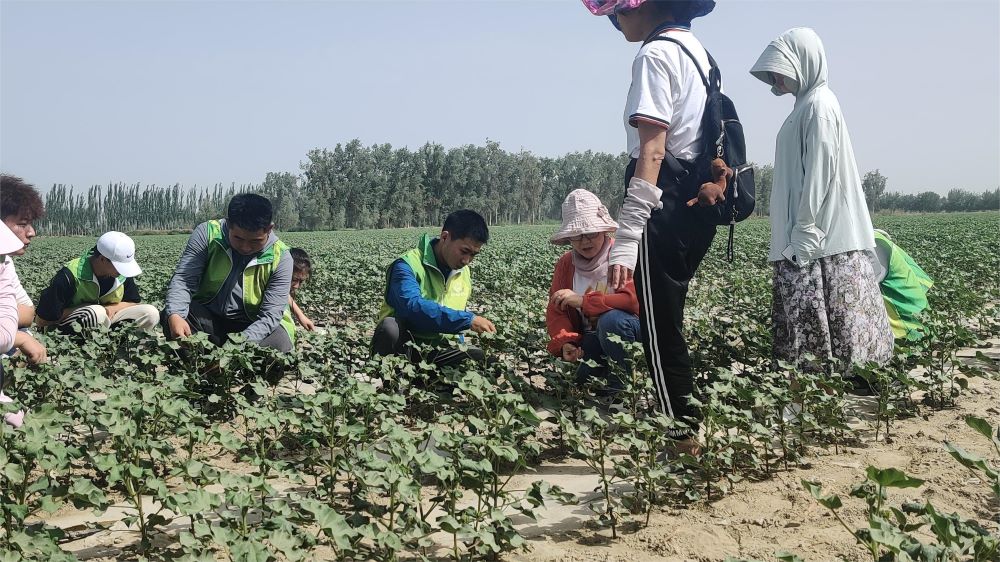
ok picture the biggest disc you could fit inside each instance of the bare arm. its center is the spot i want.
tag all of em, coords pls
(25, 314)
(652, 149)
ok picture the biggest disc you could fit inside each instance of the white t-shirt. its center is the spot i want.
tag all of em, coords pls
(19, 292)
(667, 90)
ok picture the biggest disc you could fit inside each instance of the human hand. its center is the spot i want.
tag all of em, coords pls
(566, 298)
(113, 309)
(33, 350)
(178, 326)
(480, 325)
(618, 277)
(571, 353)
(307, 324)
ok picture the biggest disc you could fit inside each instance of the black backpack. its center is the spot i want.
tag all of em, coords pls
(722, 137)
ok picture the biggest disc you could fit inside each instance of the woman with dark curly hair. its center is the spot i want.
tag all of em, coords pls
(20, 206)
(660, 236)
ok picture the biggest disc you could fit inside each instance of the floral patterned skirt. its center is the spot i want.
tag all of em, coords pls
(832, 308)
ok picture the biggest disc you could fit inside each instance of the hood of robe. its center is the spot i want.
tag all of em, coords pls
(798, 54)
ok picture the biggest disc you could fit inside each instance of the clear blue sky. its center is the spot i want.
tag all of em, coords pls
(206, 92)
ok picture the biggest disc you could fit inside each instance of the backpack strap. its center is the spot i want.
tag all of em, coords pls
(714, 77)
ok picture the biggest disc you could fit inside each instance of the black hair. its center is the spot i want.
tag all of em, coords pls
(250, 211)
(301, 261)
(465, 223)
(19, 198)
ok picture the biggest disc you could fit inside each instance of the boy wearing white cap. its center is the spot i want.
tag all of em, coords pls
(97, 288)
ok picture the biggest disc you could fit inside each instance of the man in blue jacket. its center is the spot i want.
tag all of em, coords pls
(427, 290)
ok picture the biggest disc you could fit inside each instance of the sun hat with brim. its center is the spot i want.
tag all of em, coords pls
(120, 249)
(776, 59)
(582, 213)
(698, 8)
(9, 242)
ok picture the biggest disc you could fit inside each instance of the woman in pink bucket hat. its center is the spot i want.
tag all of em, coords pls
(582, 312)
(661, 237)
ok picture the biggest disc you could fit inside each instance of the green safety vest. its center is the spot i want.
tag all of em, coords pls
(256, 275)
(453, 292)
(88, 290)
(904, 289)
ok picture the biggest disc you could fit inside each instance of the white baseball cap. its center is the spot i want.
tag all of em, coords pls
(9, 242)
(120, 249)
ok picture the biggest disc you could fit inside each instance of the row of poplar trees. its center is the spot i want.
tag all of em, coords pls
(378, 186)
(361, 187)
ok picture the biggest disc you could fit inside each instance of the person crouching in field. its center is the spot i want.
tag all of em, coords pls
(301, 271)
(234, 276)
(9, 244)
(582, 312)
(426, 293)
(20, 206)
(97, 289)
(826, 297)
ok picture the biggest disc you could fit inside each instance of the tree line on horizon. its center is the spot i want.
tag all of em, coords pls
(354, 186)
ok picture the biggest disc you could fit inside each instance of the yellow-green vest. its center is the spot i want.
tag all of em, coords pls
(453, 292)
(88, 290)
(904, 289)
(256, 274)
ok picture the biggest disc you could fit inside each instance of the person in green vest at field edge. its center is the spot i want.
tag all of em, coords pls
(234, 276)
(97, 289)
(426, 292)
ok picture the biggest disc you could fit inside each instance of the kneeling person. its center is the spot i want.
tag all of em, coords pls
(234, 276)
(427, 290)
(97, 289)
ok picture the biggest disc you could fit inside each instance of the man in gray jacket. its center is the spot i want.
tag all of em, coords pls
(233, 276)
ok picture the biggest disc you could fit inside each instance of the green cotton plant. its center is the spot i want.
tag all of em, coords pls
(717, 462)
(893, 385)
(245, 529)
(266, 421)
(819, 390)
(890, 530)
(137, 454)
(35, 478)
(937, 352)
(387, 496)
(490, 439)
(592, 441)
(330, 436)
(975, 463)
(644, 469)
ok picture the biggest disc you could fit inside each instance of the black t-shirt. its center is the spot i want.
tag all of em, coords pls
(59, 294)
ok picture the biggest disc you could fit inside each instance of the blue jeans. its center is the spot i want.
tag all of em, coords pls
(597, 347)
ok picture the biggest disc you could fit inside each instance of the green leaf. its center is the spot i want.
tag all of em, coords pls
(892, 478)
(831, 501)
(981, 426)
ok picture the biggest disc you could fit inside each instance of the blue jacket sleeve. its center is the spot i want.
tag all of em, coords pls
(420, 314)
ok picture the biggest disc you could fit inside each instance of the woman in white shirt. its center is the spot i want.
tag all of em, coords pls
(826, 297)
(661, 236)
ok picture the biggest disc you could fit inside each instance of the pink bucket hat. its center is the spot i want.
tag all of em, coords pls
(582, 213)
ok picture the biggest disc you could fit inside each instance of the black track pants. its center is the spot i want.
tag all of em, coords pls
(675, 241)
